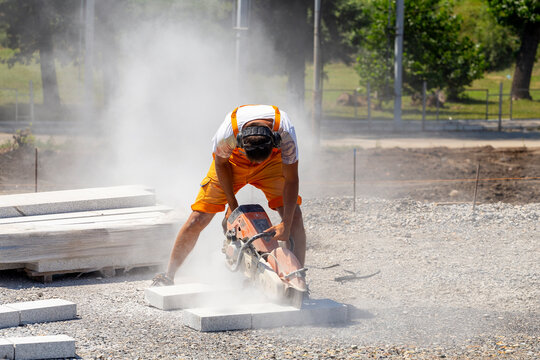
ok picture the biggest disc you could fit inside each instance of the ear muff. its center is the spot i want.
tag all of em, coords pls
(273, 136)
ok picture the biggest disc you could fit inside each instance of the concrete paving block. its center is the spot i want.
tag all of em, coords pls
(185, 296)
(150, 236)
(43, 347)
(7, 350)
(264, 315)
(45, 310)
(51, 202)
(83, 215)
(313, 312)
(217, 319)
(9, 317)
(11, 266)
(97, 262)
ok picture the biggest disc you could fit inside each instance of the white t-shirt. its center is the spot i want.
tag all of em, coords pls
(224, 141)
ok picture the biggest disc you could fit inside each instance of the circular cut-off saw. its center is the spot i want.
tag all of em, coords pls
(249, 249)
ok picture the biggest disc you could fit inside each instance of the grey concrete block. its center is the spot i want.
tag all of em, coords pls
(82, 216)
(184, 296)
(9, 317)
(11, 266)
(264, 315)
(43, 347)
(45, 310)
(7, 349)
(51, 202)
(151, 236)
(217, 319)
(313, 311)
(98, 262)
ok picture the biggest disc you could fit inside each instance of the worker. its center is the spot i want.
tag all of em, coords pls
(255, 144)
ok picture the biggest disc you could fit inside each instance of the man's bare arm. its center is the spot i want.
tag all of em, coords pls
(290, 195)
(225, 177)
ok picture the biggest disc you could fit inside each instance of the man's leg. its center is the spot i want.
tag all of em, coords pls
(298, 234)
(186, 240)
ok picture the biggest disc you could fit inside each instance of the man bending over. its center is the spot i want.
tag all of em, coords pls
(255, 144)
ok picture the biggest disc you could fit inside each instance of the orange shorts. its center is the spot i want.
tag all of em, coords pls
(266, 176)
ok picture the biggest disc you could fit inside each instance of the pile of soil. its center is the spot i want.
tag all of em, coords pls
(510, 175)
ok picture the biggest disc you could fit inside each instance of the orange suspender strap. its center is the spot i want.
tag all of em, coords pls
(277, 118)
(234, 120)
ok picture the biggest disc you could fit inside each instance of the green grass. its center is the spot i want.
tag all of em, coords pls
(338, 78)
(341, 78)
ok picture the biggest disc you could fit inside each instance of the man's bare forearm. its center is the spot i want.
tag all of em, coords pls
(225, 177)
(290, 194)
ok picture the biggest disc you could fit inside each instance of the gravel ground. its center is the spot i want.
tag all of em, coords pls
(434, 281)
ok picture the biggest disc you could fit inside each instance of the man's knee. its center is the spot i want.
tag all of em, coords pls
(197, 221)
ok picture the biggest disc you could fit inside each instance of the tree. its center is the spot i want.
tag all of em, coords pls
(433, 50)
(524, 17)
(288, 27)
(497, 42)
(31, 27)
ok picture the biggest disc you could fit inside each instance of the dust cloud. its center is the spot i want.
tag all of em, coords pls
(175, 85)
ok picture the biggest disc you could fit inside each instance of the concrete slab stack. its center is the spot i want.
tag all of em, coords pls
(85, 230)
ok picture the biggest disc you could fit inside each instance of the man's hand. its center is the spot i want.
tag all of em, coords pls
(282, 234)
(227, 214)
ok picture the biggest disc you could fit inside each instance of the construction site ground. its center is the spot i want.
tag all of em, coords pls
(425, 276)
(432, 167)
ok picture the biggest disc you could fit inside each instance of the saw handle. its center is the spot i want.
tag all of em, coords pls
(246, 245)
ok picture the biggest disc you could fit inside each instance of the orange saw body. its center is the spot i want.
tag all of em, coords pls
(248, 248)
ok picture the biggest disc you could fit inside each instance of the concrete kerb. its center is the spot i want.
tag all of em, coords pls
(9, 317)
(206, 315)
(42, 347)
(266, 315)
(48, 310)
(7, 349)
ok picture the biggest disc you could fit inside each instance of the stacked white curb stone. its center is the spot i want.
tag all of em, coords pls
(204, 309)
(85, 229)
(37, 347)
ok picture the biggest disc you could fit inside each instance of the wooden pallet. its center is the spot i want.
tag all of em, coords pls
(106, 271)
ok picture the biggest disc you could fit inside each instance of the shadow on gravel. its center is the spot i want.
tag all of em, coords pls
(17, 279)
(355, 313)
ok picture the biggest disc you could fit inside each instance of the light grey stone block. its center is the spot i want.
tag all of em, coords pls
(217, 319)
(184, 296)
(9, 317)
(313, 311)
(11, 266)
(51, 202)
(151, 236)
(43, 347)
(98, 262)
(82, 216)
(7, 350)
(45, 310)
(264, 315)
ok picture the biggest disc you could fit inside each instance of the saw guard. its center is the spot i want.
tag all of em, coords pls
(249, 249)
(287, 266)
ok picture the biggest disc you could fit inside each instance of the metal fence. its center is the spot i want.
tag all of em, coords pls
(17, 105)
(476, 105)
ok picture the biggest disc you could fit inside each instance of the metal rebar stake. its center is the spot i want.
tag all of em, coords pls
(476, 186)
(354, 180)
(36, 170)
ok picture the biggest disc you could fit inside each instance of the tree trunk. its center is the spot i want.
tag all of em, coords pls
(49, 81)
(298, 42)
(525, 61)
